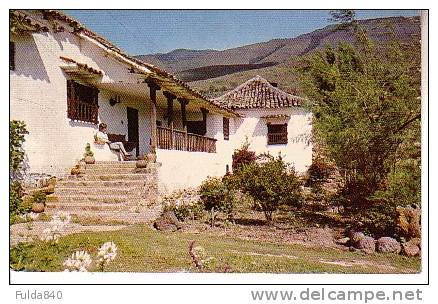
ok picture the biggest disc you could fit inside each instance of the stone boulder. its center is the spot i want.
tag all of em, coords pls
(355, 237)
(409, 222)
(167, 222)
(388, 244)
(412, 248)
(366, 244)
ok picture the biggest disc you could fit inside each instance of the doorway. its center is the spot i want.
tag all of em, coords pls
(133, 127)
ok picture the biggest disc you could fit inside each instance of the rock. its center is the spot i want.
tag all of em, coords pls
(409, 222)
(366, 244)
(38, 207)
(167, 222)
(388, 244)
(343, 241)
(355, 237)
(411, 248)
(141, 163)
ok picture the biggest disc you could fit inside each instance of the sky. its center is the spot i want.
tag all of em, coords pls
(159, 31)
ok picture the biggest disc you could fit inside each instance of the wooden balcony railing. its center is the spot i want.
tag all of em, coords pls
(172, 139)
(277, 138)
(82, 111)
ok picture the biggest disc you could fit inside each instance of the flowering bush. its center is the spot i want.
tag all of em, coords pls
(79, 261)
(107, 253)
(57, 225)
(243, 156)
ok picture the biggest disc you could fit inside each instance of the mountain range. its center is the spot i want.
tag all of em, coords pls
(213, 71)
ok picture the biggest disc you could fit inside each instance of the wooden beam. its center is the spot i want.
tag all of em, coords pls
(153, 95)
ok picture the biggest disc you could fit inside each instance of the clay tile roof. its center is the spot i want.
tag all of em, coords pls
(82, 66)
(257, 93)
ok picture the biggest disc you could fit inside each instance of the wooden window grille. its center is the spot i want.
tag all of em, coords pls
(82, 102)
(277, 134)
(226, 125)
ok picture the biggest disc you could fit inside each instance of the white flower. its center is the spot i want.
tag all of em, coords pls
(107, 253)
(61, 219)
(79, 261)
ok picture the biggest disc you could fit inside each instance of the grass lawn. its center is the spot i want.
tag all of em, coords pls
(142, 249)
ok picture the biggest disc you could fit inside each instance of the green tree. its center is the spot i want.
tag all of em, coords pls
(365, 98)
(271, 184)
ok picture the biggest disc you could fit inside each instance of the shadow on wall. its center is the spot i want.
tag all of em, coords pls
(29, 66)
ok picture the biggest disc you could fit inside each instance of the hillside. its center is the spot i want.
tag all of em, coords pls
(214, 71)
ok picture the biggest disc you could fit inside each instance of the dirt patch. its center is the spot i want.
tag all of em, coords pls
(352, 263)
(292, 257)
(27, 232)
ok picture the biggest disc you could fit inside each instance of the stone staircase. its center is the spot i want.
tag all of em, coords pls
(109, 191)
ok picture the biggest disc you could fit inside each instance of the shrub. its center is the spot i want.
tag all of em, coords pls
(243, 156)
(39, 197)
(217, 197)
(319, 171)
(185, 204)
(183, 212)
(271, 184)
(15, 201)
(17, 130)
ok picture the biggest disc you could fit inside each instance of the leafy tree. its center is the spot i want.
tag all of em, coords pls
(367, 110)
(271, 184)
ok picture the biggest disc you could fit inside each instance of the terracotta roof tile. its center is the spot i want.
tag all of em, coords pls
(257, 93)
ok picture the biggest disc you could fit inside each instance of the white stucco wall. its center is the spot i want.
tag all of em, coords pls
(39, 98)
(298, 150)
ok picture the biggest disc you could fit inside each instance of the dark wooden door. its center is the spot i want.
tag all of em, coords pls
(133, 127)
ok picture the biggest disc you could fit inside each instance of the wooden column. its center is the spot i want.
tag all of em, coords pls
(204, 119)
(170, 97)
(153, 88)
(184, 102)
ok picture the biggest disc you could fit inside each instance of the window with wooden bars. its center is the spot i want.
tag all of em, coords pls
(226, 127)
(277, 134)
(82, 102)
(11, 56)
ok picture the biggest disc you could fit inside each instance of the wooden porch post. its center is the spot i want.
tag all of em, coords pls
(183, 102)
(170, 97)
(153, 95)
(204, 118)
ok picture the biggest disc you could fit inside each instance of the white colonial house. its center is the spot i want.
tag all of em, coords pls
(65, 80)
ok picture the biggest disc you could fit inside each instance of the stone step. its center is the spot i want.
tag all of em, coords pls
(113, 163)
(100, 184)
(109, 170)
(93, 190)
(72, 207)
(90, 199)
(109, 177)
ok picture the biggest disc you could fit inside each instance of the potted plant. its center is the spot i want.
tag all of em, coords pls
(151, 157)
(89, 155)
(39, 202)
(75, 170)
(141, 163)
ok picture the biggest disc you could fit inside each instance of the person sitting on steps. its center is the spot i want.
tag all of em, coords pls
(102, 138)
